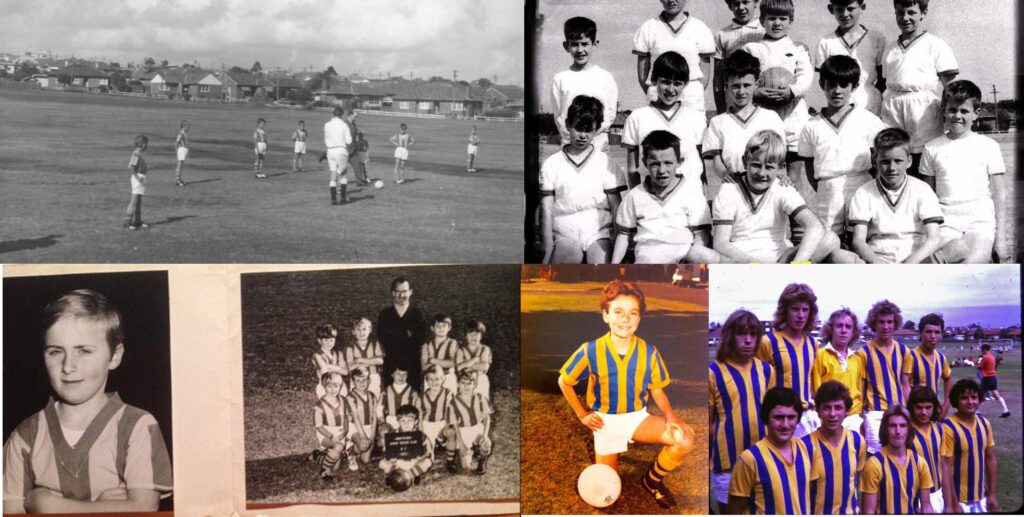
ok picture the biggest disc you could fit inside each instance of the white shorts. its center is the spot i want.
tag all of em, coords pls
(182, 153)
(353, 431)
(853, 423)
(451, 382)
(979, 506)
(401, 153)
(471, 434)
(829, 204)
(873, 421)
(978, 216)
(938, 503)
(617, 433)
(582, 229)
(138, 185)
(261, 148)
(337, 159)
(917, 113)
(300, 147)
(867, 97)
(766, 251)
(432, 430)
(794, 122)
(471, 149)
(720, 486)
(661, 252)
(809, 422)
(483, 385)
(893, 251)
(692, 97)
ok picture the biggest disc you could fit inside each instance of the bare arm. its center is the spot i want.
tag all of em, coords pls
(1003, 248)
(949, 494)
(613, 205)
(621, 246)
(632, 167)
(905, 385)
(926, 501)
(813, 232)
(991, 478)
(809, 169)
(946, 77)
(928, 247)
(705, 69)
(643, 67)
(722, 236)
(870, 504)
(947, 386)
(546, 220)
(661, 400)
(738, 505)
(860, 245)
(589, 418)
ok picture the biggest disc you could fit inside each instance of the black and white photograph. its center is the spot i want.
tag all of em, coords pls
(87, 393)
(230, 131)
(772, 131)
(364, 386)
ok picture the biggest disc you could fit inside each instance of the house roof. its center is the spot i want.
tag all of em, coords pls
(436, 91)
(85, 71)
(506, 91)
(244, 78)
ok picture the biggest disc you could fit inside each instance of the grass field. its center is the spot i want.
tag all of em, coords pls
(278, 377)
(555, 447)
(66, 185)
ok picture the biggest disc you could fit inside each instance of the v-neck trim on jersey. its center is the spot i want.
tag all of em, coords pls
(906, 46)
(852, 46)
(662, 199)
(73, 459)
(893, 205)
(620, 360)
(669, 118)
(836, 125)
(675, 31)
(744, 122)
(748, 195)
(578, 165)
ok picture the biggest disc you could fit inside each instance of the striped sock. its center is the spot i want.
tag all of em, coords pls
(664, 464)
(330, 461)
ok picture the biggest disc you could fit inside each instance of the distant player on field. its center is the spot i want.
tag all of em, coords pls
(299, 137)
(259, 137)
(403, 141)
(362, 158)
(137, 166)
(471, 148)
(337, 138)
(181, 146)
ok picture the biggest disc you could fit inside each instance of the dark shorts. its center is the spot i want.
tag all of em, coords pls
(989, 383)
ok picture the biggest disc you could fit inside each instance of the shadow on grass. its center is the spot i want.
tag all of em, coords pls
(29, 244)
(172, 220)
(459, 169)
(355, 199)
(196, 182)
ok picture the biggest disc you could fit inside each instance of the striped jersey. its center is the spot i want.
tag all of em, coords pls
(734, 396)
(897, 485)
(468, 414)
(927, 443)
(372, 350)
(444, 350)
(364, 406)
(402, 140)
(835, 492)
(881, 376)
(829, 366)
(966, 444)
(433, 408)
(482, 355)
(777, 486)
(393, 399)
(924, 371)
(121, 448)
(792, 360)
(323, 360)
(616, 384)
(331, 418)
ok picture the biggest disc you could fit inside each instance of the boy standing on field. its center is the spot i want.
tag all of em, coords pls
(137, 166)
(299, 137)
(259, 137)
(181, 146)
(583, 77)
(471, 148)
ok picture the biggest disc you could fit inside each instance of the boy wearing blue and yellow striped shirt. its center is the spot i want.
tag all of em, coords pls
(841, 453)
(924, 365)
(622, 372)
(883, 368)
(968, 454)
(777, 471)
(926, 436)
(736, 384)
(895, 477)
(791, 350)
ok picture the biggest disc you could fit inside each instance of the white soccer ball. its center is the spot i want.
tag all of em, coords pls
(599, 485)
(378, 184)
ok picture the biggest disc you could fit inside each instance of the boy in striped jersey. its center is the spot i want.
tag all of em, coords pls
(86, 451)
(777, 471)
(924, 365)
(328, 359)
(469, 429)
(440, 350)
(836, 362)
(402, 141)
(895, 477)
(622, 372)
(398, 394)
(408, 420)
(841, 453)
(434, 404)
(926, 437)
(883, 360)
(968, 454)
(366, 412)
(737, 381)
(476, 356)
(791, 350)
(333, 420)
(365, 352)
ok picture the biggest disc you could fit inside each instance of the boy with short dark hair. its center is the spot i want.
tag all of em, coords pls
(471, 149)
(440, 349)
(853, 39)
(476, 356)
(676, 30)
(402, 141)
(181, 149)
(328, 358)
(744, 28)
(926, 437)
(583, 77)
(137, 166)
(299, 138)
(925, 366)
(408, 419)
(469, 427)
(259, 138)
(841, 452)
(969, 471)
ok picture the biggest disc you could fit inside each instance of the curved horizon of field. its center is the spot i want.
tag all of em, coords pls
(65, 187)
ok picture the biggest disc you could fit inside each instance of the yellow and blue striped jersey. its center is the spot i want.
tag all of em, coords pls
(617, 384)
(966, 443)
(777, 486)
(792, 359)
(734, 395)
(924, 371)
(927, 442)
(829, 367)
(835, 492)
(882, 375)
(897, 485)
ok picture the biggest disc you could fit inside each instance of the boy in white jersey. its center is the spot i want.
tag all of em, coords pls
(137, 167)
(728, 133)
(751, 215)
(579, 190)
(667, 222)
(471, 149)
(118, 449)
(676, 30)
(836, 144)
(744, 28)
(299, 137)
(476, 356)
(860, 43)
(967, 172)
(583, 77)
(896, 217)
(259, 138)
(916, 66)
(670, 76)
(181, 148)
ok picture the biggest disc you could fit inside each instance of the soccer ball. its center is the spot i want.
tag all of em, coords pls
(399, 480)
(599, 485)
(378, 184)
(776, 77)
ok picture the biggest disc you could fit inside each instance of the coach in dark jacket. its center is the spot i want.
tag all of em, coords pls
(402, 331)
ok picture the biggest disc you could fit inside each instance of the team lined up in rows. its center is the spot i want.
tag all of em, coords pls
(919, 194)
(795, 425)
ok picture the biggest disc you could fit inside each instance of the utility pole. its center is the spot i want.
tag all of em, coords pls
(995, 106)
(455, 76)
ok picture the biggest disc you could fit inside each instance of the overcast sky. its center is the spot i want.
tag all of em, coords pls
(981, 32)
(965, 294)
(479, 38)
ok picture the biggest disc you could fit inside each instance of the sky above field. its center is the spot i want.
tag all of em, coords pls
(964, 294)
(478, 38)
(981, 33)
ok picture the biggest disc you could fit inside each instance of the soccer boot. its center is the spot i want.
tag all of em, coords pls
(661, 494)
(481, 466)
(315, 456)
(453, 467)
(326, 474)
(416, 480)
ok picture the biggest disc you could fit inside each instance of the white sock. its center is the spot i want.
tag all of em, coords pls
(1002, 401)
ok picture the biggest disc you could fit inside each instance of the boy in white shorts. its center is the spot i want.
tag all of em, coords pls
(676, 30)
(471, 148)
(403, 141)
(469, 427)
(860, 43)
(728, 133)
(751, 215)
(259, 138)
(579, 190)
(366, 413)
(181, 146)
(337, 139)
(299, 137)
(476, 356)
(434, 403)
(967, 172)
(896, 217)
(744, 28)
(836, 144)
(670, 76)
(583, 77)
(667, 222)
(137, 166)
(916, 66)
(618, 421)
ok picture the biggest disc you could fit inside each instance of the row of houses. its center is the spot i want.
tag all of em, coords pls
(902, 335)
